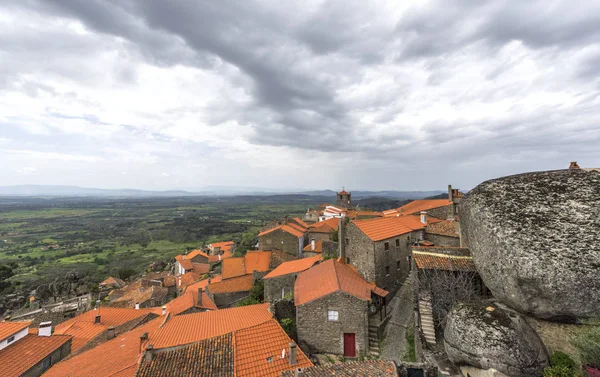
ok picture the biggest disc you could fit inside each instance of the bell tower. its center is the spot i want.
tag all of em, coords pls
(344, 199)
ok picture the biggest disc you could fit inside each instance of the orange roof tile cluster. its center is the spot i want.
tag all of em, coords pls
(190, 328)
(435, 261)
(252, 261)
(416, 206)
(325, 226)
(300, 222)
(112, 281)
(219, 257)
(82, 333)
(258, 351)
(186, 264)
(201, 268)
(225, 245)
(116, 357)
(318, 247)
(169, 281)
(445, 228)
(238, 284)
(194, 253)
(19, 357)
(203, 283)
(108, 316)
(188, 278)
(387, 227)
(293, 267)
(329, 277)
(233, 267)
(9, 328)
(189, 300)
(142, 294)
(285, 228)
(353, 214)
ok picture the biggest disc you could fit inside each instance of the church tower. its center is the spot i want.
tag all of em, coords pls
(344, 199)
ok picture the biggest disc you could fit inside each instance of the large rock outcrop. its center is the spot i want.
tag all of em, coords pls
(490, 337)
(535, 240)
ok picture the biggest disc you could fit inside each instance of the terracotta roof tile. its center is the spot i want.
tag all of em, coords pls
(371, 368)
(9, 328)
(434, 261)
(186, 264)
(208, 357)
(108, 316)
(318, 247)
(215, 245)
(23, 354)
(116, 357)
(233, 267)
(285, 228)
(190, 328)
(201, 268)
(195, 253)
(258, 351)
(82, 333)
(112, 281)
(203, 283)
(170, 281)
(188, 278)
(300, 222)
(238, 284)
(189, 300)
(382, 228)
(293, 267)
(444, 228)
(257, 261)
(417, 206)
(217, 258)
(329, 277)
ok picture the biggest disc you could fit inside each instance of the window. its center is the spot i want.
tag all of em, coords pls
(397, 265)
(347, 260)
(10, 339)
(332, 315)
(347, 242)
(387, 270)
(398, 242)
(386, 246)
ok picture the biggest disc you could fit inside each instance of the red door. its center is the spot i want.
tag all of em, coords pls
(349, 345)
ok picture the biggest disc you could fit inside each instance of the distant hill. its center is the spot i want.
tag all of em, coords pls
(440, 196)
(75, 191)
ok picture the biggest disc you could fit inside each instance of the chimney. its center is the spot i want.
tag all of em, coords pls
(164, 310)
(97, 318)
(299, 373)
(110, 332)
(450, 192)
(312, 244)
(285, 219)
(574, 165)
(292, 357)
(149, 352)
(341, 240)
(143, 338)
(137, 305)
(199, 296)
(45, 329)
(424, 217)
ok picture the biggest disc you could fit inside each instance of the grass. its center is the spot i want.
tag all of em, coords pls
(411, 353)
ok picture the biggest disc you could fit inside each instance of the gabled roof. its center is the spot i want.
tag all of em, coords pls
(284, 228)
(417, 206)
(435, 261)
(294, 266)
(318, 247)
(387, 227)
(116, 357)
(209, 357)
(195, 253)
(186, 264)
(188, 278)
(238, 284)
(258, 351)
(298, 227)
(445, 228)
(257, 261)
(224, 244)
(190, 328)
(108, 316)
(329, 277)
(9, 328)
(19, 357)
(233, 267)
(82, 333)
(216, 258)
(203, 283)
(300, 222)
(189, 300)
(370, 368)
(112, 281)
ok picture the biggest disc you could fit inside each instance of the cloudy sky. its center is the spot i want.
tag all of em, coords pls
(295, 95)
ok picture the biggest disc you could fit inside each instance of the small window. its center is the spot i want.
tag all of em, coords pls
(332, 315)
(347, 260)
(387, 270)
(10, 339)
(347, 242)
(397, 265)
(386, 246)
(398, 242)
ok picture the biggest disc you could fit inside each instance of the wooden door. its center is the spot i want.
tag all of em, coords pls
(349, 345)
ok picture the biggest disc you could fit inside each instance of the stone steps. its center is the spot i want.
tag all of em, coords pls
(373, 341)
(427, 326)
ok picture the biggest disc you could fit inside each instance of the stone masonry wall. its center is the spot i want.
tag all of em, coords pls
(440, 240)
(360, 251)
(318, 335)
(318, 236)
(226, 300)
(273, 286)
(280, 240)
(440, 212)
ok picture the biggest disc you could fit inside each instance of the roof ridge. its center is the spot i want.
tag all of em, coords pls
(337, 278)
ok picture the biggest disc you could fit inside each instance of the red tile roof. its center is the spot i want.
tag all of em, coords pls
(116, 357)
(445, 228)
(186, 264)
(112, 281)
(195, 253)
(82, 333)
(294, 266)
(382, 228)
(233, 267)
(19, 357)
(219, 257)
(435, 261)
(9, 328)
(257, 261)
(300, 221)
(285, 228)
(329, 277)
(190, 328)
(108, 316)
(223, 244)
(318, 247)
(238, 284)
(416, 206)
(189, 300)
(258, 351)
(188, 278)
(201, 268)
(203, 283)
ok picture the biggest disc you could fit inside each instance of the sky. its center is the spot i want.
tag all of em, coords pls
(370, 95)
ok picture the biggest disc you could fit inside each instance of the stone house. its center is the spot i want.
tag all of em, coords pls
(323, 230)
(289, 238)
(444, 233)
(279, 283)
(333, 303)
(380, 248)
(327, 249)
(221, 247)
(343, 199)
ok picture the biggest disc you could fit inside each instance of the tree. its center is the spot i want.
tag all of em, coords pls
(5, 273)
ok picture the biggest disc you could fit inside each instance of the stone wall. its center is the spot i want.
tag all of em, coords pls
(318, 335)
(318, 236)
(227, 300)
(360, 251)
(440, 240)
(280, 240)
(274, 286)
(55, 357)
(441, 212)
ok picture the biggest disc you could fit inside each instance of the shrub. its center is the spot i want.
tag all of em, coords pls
(562, 359)
(588, 344)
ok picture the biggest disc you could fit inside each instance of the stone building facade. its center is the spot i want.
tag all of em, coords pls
(281, 240)
(442, 240)
(279, 287)
(317, 333)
